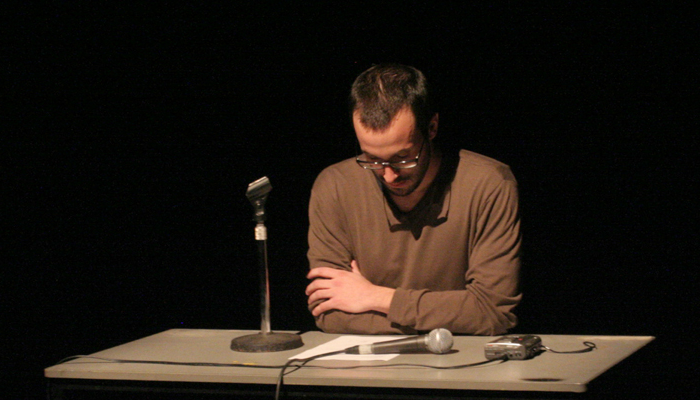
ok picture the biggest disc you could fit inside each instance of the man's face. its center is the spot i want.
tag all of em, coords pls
(400, 141)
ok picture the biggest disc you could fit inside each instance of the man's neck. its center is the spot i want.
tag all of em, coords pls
(408, 203)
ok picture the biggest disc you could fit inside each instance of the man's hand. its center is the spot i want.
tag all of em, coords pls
(347, 291)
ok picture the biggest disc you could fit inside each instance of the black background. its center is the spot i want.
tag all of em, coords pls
(133, 131)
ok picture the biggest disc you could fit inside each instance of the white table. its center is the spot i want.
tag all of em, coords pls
(548, 372)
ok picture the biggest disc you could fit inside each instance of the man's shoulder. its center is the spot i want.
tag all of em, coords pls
(343, 170)
(473, 163)
(344, 174)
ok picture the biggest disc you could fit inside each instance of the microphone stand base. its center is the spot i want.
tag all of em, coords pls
(266, 342)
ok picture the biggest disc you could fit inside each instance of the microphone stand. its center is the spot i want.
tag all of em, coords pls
(266, 340)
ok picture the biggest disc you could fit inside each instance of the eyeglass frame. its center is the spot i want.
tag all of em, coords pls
(393, 165)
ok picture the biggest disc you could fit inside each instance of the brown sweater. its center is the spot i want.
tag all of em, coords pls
(454, 260)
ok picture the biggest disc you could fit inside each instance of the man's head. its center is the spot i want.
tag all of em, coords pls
(380, 92)
(395, 126)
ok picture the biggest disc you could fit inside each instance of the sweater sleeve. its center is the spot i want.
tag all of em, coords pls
(486, 305)
(330, 246)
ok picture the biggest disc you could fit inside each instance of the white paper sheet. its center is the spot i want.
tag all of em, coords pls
(344, 342)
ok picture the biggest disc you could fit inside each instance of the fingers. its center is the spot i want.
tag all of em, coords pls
(322, 277)
(316, 285)
(316, 297)
(355, 267)
(333, 288)
(321, 308)
(320, 288)
(320, 295)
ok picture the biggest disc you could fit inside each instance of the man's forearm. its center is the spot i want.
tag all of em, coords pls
(367, 323)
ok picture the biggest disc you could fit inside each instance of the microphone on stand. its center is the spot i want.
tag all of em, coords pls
(438, 341)
(266, 340)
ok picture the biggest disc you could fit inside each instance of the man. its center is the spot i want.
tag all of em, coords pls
(405, 238)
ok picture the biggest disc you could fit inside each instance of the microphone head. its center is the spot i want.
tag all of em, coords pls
(258, 190)
(439, 341)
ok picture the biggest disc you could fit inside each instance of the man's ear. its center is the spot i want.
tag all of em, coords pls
(433, 126)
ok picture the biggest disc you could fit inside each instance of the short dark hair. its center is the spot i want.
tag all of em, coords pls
(380, 92)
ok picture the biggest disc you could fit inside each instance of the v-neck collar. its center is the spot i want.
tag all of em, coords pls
(432, 209)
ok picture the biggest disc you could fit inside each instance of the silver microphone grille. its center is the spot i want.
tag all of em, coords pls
(439, 341)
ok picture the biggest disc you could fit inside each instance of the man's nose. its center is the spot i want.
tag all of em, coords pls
(389, 174)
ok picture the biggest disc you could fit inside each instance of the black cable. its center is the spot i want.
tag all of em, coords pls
(280, 378)
(412, 365)
(283, 368)
(289, 363)
(191, 364)
(304, 361)
(590, 346)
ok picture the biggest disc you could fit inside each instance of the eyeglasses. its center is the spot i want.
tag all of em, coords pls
(392, 164)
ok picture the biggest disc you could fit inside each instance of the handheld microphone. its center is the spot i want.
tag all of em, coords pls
(438, 341)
